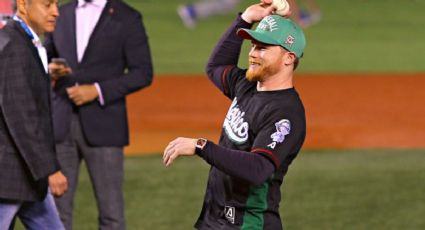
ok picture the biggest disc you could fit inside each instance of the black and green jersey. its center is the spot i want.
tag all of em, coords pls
(270, 124)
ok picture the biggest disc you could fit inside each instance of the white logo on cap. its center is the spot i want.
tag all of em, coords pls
(290, 40)
(268, 24)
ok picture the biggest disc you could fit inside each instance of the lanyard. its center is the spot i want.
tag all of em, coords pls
(24, 27)
(37, 43)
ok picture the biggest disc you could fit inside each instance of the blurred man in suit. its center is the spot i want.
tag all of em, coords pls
(28, 162)
(106, 48)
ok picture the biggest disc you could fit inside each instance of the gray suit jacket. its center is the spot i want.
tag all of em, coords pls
(27, 148)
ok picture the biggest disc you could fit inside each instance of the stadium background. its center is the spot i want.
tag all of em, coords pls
(363, 164)
(360, 78)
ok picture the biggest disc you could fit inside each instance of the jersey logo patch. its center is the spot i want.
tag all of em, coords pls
(230, 214)
(283, 127)
(235, 125)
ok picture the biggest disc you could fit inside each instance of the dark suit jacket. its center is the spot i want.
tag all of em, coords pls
(27, 147)
(117, 57)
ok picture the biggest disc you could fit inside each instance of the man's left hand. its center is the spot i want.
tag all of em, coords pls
(58, 183)
(82, 94)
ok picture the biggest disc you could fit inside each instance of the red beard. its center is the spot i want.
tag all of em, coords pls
(261, 72)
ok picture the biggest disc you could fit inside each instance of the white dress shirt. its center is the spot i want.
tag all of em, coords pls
(41, 50)
(87, 15)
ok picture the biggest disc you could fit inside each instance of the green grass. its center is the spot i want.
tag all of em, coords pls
(356, 190)
(363, 189)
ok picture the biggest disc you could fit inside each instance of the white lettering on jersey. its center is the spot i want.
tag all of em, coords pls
(230, 214)
(272, 145)
(234, 124)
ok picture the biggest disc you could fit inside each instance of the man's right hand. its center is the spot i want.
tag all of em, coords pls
(58, 183)
(57, 71)
(257, 12)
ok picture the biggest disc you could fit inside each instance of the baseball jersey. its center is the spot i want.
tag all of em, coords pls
(269, 123)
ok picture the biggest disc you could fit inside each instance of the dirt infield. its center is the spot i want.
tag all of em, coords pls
(343, 112)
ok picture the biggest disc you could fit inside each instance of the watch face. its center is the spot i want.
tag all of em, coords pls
(200, 143)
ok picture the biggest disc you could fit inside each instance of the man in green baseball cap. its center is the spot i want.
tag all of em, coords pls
(277, 30)
(263, 130)
(273, 33)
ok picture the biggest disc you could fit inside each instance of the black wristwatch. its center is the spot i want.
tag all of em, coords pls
(199, 146)
(200, 143)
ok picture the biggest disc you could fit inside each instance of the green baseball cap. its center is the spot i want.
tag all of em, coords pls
(277, 30)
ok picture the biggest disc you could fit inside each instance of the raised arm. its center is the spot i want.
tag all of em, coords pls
(226, 53)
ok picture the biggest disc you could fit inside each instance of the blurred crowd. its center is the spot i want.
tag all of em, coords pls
(304, 12)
